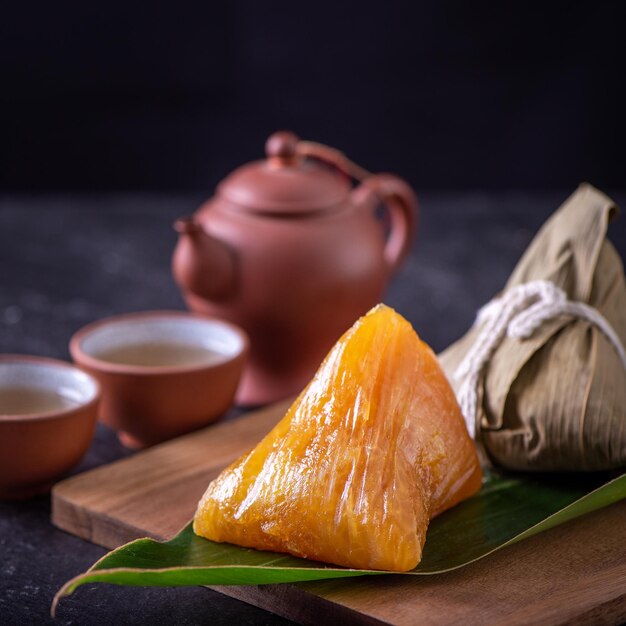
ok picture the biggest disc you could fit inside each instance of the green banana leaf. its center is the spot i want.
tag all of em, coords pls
(507, 509)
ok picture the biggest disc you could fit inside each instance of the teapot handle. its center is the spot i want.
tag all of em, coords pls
(401, 202)
(392, 191)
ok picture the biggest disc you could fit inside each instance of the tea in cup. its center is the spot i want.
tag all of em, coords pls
(162, 373)
(48, 412)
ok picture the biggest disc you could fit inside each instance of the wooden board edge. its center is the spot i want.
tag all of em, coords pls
(297, 604)
(101, 530)
(610, 612)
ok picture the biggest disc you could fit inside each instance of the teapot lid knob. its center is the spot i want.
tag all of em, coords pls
(282, 146)
(286, 182)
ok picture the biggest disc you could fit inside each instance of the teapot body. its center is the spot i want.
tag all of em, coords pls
(300, 283)
(289, 251)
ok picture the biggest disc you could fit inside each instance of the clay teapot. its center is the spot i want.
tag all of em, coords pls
(290, 251)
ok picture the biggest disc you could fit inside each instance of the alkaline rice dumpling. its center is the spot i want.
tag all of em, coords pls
(374, 447)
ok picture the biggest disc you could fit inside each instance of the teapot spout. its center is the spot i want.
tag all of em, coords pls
(202, 264)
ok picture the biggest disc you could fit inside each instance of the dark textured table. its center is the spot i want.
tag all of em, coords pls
(66, 260)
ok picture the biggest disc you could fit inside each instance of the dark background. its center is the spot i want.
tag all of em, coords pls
(449, 94)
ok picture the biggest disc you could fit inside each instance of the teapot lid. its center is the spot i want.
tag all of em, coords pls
(285, 182)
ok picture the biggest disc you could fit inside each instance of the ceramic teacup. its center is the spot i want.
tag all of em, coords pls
(163, 373)
(48, 412)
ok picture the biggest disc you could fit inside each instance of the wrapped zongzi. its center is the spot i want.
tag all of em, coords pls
(550, 389)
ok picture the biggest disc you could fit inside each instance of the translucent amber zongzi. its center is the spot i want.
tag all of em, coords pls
(373, 448)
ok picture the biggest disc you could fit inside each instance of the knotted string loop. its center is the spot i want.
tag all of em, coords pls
(518, 313)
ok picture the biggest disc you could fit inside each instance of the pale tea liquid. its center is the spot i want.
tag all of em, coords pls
(155, 354)
(32, 401)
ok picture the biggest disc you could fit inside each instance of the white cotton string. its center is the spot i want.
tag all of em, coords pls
(518, 313)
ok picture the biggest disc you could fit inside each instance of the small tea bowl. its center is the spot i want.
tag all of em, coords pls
(48, 412)
(162, 373)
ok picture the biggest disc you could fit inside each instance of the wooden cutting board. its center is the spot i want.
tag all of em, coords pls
(575, 573)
